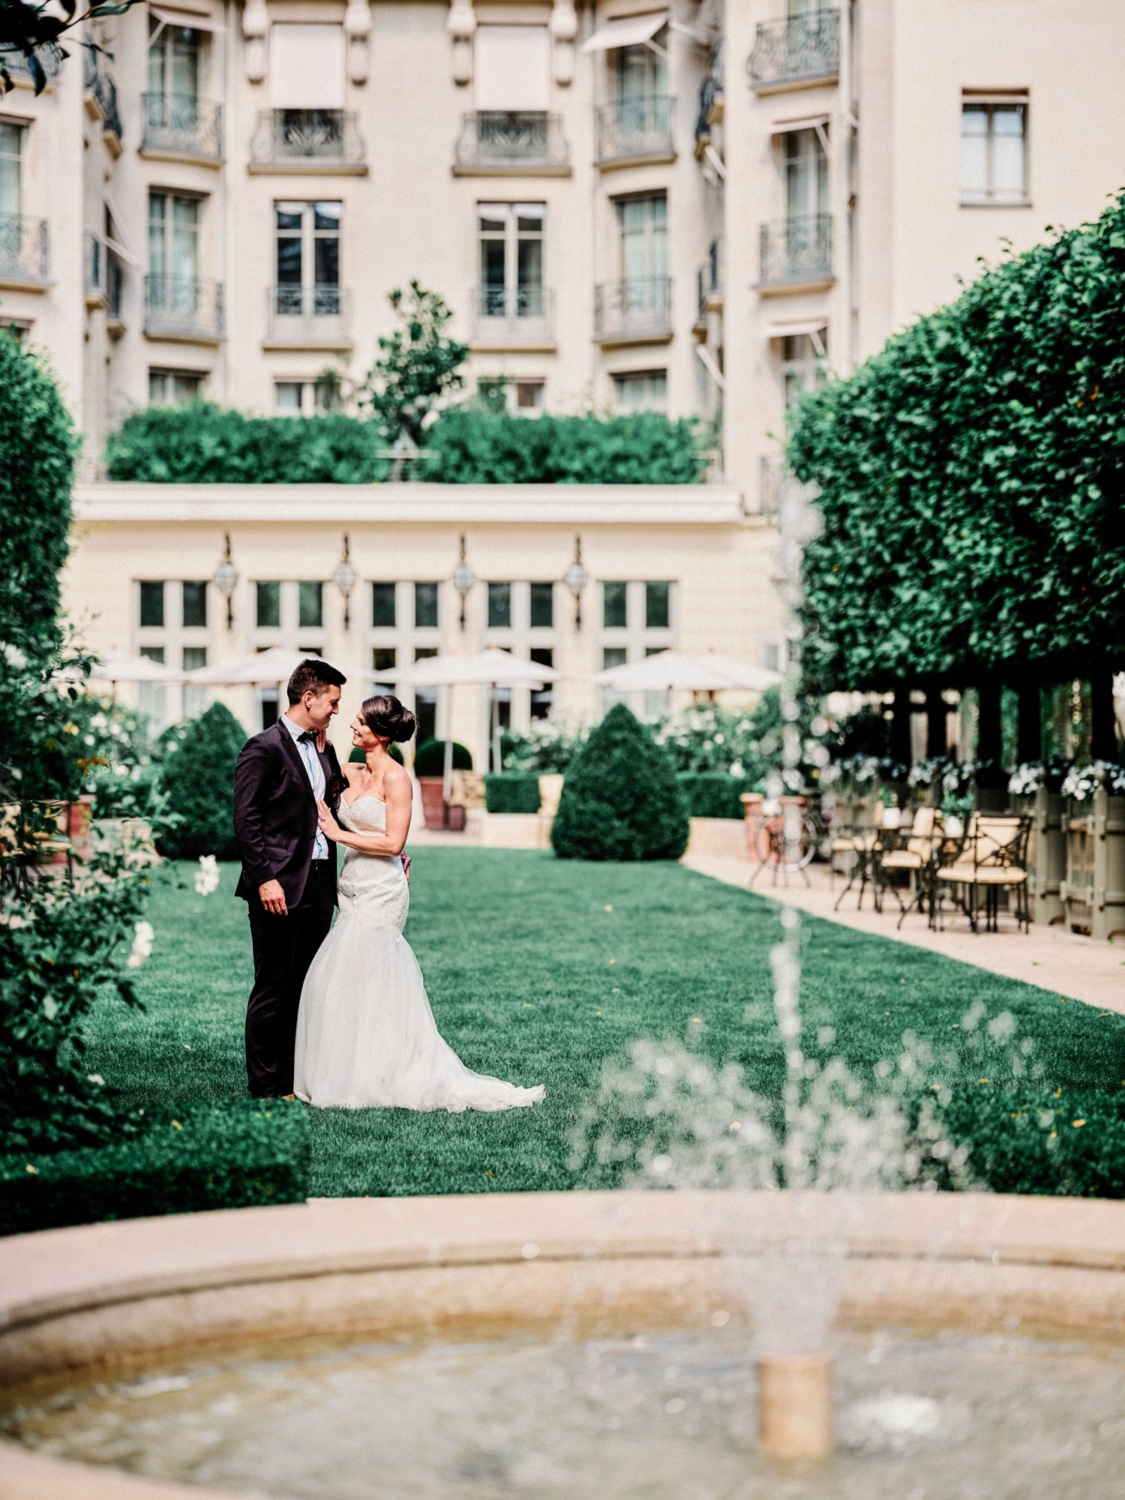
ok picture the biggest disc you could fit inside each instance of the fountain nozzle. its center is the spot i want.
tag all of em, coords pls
(795, 1405)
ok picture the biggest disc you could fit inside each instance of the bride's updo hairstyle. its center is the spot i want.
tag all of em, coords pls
(386, 717)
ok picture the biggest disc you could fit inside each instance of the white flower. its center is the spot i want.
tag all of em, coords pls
(736, 768)
(13, 656)
(96, 1078)
(142, 944)
(207, 876)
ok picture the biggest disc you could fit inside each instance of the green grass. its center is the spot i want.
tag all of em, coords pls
(539, 969)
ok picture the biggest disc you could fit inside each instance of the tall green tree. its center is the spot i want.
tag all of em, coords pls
(418, 366)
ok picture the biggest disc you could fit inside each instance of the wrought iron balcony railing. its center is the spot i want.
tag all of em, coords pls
(308, 314)
(523, 316)
(183, 125)
(23, 248)
(529, 140)
(285, 135)
(179, 307)
(638, 309)
(795, 250)
(47, 56)
(104, 91)
(632, 129)
(94, 266)
(799, 48)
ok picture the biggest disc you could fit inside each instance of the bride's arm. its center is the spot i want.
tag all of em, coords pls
(398, 823)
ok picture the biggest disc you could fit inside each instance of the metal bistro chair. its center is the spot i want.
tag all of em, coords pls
(861, 848)
(911, 849)
(992, 856)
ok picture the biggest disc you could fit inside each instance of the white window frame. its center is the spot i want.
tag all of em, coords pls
(1019, 198)
(638, 641)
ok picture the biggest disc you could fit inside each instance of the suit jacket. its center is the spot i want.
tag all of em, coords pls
(275, 813)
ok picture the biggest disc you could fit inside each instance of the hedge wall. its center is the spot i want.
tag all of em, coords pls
(226, 1154)
(971, 477)
(429, 758)
(511, 794)
(1042, 1142)
(205, 444)
(713, 794)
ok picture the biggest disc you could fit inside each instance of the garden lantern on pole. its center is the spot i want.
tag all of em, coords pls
(576, 580)
(463, 580)
(344, 576)
(225, 579)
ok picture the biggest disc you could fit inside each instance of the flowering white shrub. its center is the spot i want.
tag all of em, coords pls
(207, 876)
(143, 935)
(1083, 781)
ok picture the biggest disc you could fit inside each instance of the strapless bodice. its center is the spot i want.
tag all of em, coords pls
(372, 887)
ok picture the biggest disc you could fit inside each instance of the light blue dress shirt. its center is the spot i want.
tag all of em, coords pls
(316, 778)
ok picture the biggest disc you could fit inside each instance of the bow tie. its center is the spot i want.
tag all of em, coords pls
(307, 738)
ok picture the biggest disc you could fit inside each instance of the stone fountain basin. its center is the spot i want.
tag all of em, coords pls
(73, 1299)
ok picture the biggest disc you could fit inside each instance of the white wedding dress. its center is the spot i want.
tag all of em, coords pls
(366, 1035)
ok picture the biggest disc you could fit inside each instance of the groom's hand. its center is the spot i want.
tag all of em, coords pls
(273, 898)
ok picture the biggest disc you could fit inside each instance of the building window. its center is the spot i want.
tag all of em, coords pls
(641, 390)
(425, 605)
(384, 658)
(195, 694)
(152, 605)
(383, 606)
(529, 395)
(614, 596)
(656, 606)
(771, 656)
(308, 259)
(642, 228)
(195, 606)
(151, 696)
(173, 387)
(306, 66)
(542, 606)
(499, 606)
(310, 398)
(512, 69)
(173, 247)
(542, 698)
(310, 606)
(268, 605)
(803, 363)
(11, 167)
(511, 259)
(806, 174)
(174, 55)
(994, 150)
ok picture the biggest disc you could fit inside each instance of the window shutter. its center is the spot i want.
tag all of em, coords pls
(306, 67)
(512, 68)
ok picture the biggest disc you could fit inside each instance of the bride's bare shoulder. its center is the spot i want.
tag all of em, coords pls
(397, 777)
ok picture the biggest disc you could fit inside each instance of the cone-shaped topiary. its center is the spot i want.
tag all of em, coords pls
(198, 782)
(620, 799)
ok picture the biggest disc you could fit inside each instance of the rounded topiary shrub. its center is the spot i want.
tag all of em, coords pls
(621, 799)
(429, 758)
(198, 783)
(359, 755)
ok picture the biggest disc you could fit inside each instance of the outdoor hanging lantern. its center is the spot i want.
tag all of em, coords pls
(576, 580)
(463, 580)
(344, 576)
(225, 579)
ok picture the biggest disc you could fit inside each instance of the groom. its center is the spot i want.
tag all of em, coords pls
(288, 875)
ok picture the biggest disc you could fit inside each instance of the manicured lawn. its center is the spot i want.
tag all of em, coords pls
(538, 970)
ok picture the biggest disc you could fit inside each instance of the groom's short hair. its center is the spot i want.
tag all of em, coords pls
(313, 676)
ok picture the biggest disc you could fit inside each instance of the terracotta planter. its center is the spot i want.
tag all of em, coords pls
(433, 805)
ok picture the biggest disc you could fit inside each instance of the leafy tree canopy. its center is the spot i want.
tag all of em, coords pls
(25, 28)
(971, 480)
(418, 365)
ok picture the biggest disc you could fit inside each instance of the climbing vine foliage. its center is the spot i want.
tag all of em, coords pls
(971, 480)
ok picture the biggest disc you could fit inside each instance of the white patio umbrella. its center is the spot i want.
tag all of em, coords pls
(262, 668)
(667, 669)
(741, 674)
(493, 668)
(122, 666)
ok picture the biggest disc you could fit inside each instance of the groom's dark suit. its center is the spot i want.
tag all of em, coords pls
(276, 823)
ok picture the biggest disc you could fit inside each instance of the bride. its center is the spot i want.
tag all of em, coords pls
(365, 1032)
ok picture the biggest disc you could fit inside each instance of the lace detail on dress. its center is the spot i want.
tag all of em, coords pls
(366, 1035)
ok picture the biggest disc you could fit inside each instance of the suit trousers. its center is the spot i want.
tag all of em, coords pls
(284, 948)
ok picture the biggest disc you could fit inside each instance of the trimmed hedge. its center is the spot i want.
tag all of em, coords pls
(512, 794)
(206, 444)
(479, 447)
(358, 756)
(429, 758)
(222, 1154)
(713, 794)
(198, 782)
(620, 799)
(1046, 1143)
